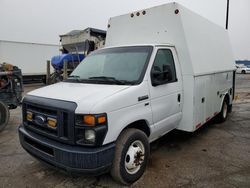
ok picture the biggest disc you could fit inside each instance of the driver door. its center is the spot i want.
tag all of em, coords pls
(166, 91)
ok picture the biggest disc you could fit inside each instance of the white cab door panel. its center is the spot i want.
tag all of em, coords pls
(166, 92)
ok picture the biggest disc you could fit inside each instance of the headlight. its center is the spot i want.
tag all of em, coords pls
(90, 130)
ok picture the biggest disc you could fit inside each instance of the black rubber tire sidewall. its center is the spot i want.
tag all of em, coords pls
(4, 115)
(132, 135)
(125, 175)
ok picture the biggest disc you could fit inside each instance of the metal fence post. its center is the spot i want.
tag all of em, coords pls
(48, 73)
(65, 69)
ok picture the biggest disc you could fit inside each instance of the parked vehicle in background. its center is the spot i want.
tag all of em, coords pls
(162, 68)
(75, 45)
(29, 57)
(243, 69)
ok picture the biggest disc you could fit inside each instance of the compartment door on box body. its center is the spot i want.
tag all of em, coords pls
(210, 97)
(199, 101)
(167, 95)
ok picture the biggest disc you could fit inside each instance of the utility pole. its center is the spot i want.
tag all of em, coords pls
(227, 15)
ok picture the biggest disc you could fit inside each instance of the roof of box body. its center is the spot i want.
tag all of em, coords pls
(203, 47)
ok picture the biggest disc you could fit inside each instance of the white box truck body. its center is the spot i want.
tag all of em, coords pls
(203, 50)
(163, 68)
(30, 57)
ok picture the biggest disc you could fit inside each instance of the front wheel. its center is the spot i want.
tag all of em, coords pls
(4, 116)
(131, 156)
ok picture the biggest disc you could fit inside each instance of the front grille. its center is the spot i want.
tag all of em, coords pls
(62, 111)
(41, 110)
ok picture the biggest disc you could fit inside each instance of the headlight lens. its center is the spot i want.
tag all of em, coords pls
(90, 135)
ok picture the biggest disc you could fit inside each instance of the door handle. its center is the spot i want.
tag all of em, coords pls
(203, 100)
(179, 98)
(142, 98)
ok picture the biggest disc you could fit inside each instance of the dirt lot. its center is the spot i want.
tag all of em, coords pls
(217, 155)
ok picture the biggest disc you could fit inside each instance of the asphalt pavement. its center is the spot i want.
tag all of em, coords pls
(217, 155)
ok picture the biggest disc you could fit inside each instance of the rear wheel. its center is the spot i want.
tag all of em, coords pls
(131, 156)
(224, 111)
(243, 72)
(4, 115)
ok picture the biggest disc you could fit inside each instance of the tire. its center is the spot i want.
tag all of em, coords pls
(131, 156)
(243, 72)
(222, 117)
(4, 116)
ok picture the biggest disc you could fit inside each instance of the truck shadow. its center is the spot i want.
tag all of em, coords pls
(174, 139)
(172, 142)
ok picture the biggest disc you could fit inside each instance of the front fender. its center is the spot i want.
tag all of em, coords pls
(120, 119)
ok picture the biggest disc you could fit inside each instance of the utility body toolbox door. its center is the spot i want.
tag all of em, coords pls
(166, 91)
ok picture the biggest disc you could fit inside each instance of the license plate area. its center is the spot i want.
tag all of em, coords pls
(42, 148)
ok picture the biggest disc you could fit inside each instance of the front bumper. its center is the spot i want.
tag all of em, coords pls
(74, 159)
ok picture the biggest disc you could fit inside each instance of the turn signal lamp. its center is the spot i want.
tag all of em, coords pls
(89, 119)
(93, 119)
(101, 119)
(29, 116)
(52, 122)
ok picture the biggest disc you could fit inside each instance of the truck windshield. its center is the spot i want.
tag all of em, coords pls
(121, 66)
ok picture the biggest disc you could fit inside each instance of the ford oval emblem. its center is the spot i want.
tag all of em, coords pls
(40, 120)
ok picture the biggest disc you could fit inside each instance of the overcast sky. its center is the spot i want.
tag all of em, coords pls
(43, 21)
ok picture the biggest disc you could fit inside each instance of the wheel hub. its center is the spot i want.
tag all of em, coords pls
(134, 157)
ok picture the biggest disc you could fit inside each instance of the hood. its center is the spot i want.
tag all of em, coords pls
(86, 94)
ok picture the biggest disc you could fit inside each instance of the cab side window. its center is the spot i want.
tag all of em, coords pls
(163, 69)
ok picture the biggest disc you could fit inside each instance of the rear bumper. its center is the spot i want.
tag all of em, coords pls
(74, 159)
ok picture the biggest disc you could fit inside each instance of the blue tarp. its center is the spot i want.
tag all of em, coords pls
(57, 61)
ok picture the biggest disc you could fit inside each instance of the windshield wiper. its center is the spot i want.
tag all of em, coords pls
(110, 79)
(74, 76)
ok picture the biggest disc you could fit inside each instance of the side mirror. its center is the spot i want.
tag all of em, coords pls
(159, 77)
(167, 73)
(155, 76)
(156, 72)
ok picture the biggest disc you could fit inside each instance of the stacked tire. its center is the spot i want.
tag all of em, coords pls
(4, 115)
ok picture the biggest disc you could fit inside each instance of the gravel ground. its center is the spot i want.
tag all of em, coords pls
(217, 155)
